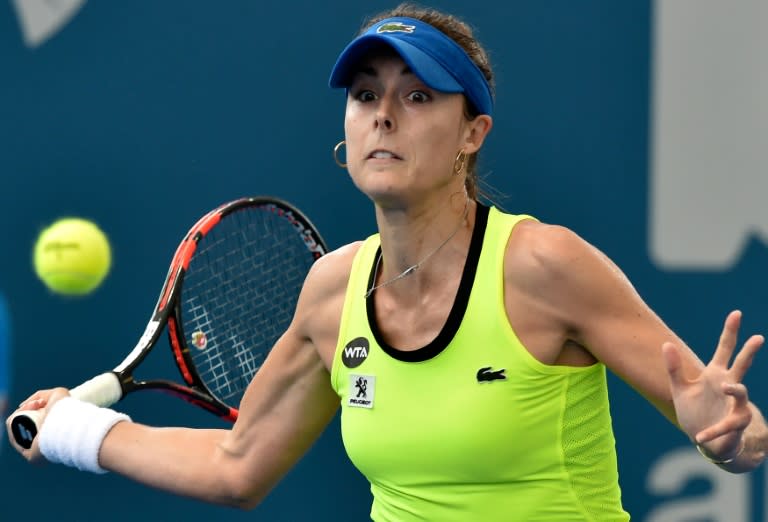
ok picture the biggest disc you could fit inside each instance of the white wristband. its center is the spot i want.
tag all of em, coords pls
(73, 431)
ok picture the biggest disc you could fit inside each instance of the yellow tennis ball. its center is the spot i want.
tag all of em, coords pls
(72, 256)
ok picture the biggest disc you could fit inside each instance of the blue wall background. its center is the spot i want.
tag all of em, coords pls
(142, 115)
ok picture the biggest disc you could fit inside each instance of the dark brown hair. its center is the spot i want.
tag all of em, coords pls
(460, 32)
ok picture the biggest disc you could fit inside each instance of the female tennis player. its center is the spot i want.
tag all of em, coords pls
(466, 347)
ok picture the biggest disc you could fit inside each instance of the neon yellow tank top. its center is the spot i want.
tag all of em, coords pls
(472, 427)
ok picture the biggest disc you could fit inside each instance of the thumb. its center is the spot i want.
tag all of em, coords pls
(673, 363)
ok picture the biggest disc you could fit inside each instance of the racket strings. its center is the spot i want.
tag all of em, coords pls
(239, 295)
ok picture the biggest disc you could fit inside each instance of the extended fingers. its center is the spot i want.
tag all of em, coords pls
(728, 338)
(746, 355)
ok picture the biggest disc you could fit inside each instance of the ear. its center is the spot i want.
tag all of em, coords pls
(476, 132)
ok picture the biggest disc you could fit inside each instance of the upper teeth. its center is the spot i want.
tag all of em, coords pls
(381, 154)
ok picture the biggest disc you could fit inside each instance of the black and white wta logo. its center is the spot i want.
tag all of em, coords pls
(355, 352)
(361, 391)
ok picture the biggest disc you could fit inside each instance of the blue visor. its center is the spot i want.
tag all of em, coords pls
(432, 56)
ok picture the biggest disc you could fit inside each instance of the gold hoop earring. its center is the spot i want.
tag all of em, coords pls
(460, 162)
(340, 144)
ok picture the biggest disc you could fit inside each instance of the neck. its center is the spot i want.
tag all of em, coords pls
(400, 259)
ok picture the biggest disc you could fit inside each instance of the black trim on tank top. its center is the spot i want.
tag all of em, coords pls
(458, 309)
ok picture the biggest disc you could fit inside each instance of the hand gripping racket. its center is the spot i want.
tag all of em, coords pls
(229, 294)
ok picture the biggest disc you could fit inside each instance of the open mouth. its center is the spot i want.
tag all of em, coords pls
(383, 154)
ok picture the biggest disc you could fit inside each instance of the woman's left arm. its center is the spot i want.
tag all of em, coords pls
(709, 402)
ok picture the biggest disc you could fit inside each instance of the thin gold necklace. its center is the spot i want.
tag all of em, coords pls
(411, 269)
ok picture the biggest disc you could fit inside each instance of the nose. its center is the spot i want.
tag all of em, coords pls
(385, 120)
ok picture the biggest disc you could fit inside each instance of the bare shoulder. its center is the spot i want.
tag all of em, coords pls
(576, 282)
(542, 252)
(330, 273)
(320, 304)
(559, 270)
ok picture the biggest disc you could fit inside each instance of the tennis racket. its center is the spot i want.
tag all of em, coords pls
(229, 294)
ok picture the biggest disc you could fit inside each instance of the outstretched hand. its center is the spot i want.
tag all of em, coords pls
(713, 407)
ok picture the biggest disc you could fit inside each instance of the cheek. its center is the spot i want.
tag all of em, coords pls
(352, 135)
(352, 148)
(350, 120)
(437, 149)
(352, 117)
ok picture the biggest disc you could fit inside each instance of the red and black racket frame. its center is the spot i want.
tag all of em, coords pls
(169, 305)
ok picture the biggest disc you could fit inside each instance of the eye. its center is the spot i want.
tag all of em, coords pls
(419, 97)
(365, 95)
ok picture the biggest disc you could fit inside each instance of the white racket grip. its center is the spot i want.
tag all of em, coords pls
(103, 390)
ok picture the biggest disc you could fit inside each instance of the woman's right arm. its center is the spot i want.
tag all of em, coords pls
(285, 408)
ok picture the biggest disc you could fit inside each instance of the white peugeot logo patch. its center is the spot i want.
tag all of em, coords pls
(361, 391)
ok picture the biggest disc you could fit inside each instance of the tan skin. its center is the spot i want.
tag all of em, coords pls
(568, 303)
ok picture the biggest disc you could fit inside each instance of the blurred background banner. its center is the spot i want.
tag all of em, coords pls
(5, 361)
(641, 125)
